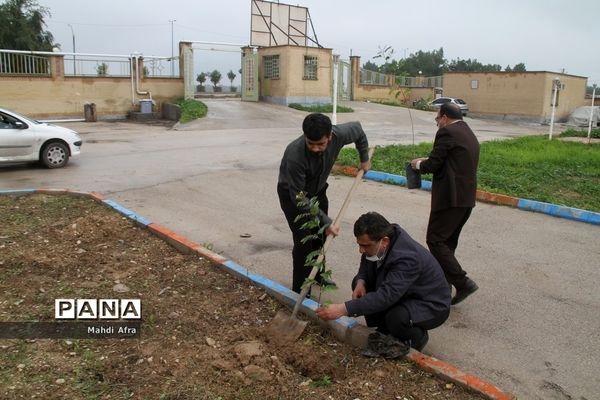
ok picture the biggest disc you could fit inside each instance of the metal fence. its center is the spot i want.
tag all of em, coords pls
(377, 78)
(372, 78)
(24, 64)
(38, 63)
(425, 81)
(118, 66)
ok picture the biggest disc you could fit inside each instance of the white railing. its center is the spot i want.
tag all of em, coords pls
(23, 64)
(38, 63)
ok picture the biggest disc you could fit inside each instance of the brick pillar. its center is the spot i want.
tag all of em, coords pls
(57, 67)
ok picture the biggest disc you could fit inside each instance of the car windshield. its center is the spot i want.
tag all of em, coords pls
(460, 101)
(28, 120)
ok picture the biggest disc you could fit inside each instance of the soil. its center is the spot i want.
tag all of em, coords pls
(203, 331)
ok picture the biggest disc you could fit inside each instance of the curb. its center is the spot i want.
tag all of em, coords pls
(554, 210)
(345, 329)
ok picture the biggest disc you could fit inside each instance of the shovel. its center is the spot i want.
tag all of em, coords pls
(289, 328)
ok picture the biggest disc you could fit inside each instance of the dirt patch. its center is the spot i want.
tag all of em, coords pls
(202, 333)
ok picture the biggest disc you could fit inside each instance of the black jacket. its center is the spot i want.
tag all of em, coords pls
(408, 274)
(453, 162)
(303, 170)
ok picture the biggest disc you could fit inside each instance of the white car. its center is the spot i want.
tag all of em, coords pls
(437, 103)
(23, 139)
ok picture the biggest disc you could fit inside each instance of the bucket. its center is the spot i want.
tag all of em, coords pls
(413, 178)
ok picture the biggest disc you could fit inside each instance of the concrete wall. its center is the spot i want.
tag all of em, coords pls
(525, 95)
(291, 87)
(64, 96)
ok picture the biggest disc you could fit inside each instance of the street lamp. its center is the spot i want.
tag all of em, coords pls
(555, 85)
(73, 35)
(172, 54)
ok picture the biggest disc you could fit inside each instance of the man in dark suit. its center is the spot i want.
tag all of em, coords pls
(305, 167)
(453, 162)
(400, 287)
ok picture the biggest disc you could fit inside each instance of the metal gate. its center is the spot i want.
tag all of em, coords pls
(250, 75)
(344, 80)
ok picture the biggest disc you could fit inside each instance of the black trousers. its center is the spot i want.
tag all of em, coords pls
(396, 321)
(300, 250)
(442, 239)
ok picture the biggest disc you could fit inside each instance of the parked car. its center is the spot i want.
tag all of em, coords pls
(437, 103)
(23, 139)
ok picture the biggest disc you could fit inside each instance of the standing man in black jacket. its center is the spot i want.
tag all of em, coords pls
(400, 287)
(305, 167)
(453, 162)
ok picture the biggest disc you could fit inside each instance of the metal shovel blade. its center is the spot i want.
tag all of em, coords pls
(285, 327)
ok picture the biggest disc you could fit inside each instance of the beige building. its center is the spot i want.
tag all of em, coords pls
(517, 95)
(295, 74)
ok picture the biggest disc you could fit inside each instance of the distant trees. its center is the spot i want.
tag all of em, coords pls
(102, 69)
(431, 63)
(22, 26)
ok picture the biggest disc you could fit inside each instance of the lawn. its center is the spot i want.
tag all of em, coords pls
(531, 167)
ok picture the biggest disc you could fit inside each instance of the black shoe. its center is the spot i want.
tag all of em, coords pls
(385, 346)
(468, 289)
(422, 343)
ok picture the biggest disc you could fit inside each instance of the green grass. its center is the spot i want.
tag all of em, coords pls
(595, 133)
(532, 167)
(320, 108)
(191, 110)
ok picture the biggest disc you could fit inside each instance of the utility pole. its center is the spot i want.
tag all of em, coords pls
(555, 86)
(172, 54)
(73, 34)
(589, 135)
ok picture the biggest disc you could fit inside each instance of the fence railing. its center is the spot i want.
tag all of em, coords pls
(40, 63)
(118, 67)
(24, 64)
(372, 78)
(368, 77)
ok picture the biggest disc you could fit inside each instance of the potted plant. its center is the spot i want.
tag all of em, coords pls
(215, 78)
(201, 78)
(231, 76)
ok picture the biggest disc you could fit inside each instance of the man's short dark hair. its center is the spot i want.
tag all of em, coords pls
(374, 225)
(316, 125)
(451, 110)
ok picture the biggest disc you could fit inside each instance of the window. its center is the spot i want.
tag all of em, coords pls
(271, 67)
(474, 84)
(310, 67)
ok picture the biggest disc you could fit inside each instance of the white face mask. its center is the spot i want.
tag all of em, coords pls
(376, 257)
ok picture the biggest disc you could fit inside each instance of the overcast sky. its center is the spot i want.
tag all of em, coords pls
(546, 35)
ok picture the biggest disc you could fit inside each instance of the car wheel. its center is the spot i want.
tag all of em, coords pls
(55, 155)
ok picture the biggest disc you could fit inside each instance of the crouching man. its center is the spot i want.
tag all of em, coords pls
(400, 288)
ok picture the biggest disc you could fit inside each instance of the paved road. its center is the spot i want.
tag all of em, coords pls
(532, 328)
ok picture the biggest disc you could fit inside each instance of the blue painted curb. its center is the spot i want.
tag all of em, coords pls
(126, 212)
(574, 214)
(18, 191)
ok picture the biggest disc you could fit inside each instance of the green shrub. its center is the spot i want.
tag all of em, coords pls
(191, 110)
(321, 108)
